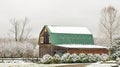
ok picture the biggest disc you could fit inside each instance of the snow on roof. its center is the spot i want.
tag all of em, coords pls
(79, 46)
(69, 29)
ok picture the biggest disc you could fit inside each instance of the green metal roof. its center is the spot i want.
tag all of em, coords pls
(69, 38)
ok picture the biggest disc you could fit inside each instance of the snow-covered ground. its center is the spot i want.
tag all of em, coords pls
(21, 63)
(102, 65)
(17, 65)
(54, 65)
(13, 61)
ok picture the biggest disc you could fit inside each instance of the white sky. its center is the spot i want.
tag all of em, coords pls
(53, 12)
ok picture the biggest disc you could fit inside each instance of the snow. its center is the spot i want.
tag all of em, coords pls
(17, 49)
(102, 65)
(79, 46)
(68, 29)
(13, 61)
(56, 65)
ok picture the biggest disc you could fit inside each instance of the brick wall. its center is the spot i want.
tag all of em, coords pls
(94, 51)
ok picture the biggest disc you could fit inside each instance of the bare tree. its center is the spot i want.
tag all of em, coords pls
(20, 30)
(110, 23)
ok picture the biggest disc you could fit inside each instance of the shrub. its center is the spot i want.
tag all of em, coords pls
(70, 58)
(97, 57)
(116, 54)
(115, 51)
(47, 59)
(74, 58)
(104, 57)
(91, 58)
(65, 58)
(56, 58)
(82, 58)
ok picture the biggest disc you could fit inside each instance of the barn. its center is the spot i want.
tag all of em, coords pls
(62, 39)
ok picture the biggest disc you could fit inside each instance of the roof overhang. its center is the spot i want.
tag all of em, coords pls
(81, 46)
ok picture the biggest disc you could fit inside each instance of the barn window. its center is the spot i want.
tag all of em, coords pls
(41, 39)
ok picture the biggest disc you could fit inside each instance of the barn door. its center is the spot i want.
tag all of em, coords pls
(46, 38)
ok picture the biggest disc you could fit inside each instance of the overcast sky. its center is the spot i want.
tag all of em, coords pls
(53, 12)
